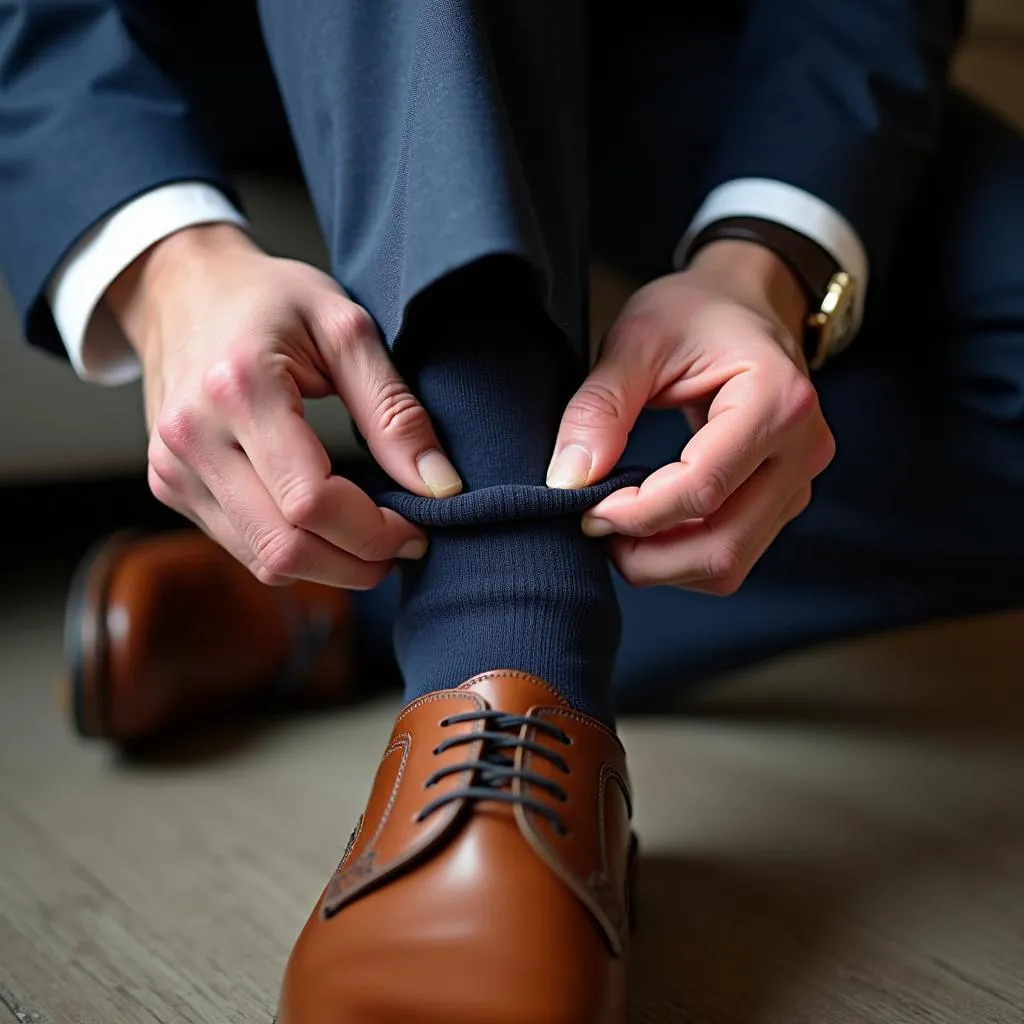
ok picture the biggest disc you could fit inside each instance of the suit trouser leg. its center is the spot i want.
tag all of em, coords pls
(434, 133)
(919, 517)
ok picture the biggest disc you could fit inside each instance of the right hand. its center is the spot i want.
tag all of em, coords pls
(231, 340)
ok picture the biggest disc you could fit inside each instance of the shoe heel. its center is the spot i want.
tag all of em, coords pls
(85, 638)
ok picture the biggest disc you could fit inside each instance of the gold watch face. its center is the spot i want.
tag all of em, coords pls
(832, 323)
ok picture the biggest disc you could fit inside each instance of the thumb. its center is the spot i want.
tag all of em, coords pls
(596, 424)
(391, 419)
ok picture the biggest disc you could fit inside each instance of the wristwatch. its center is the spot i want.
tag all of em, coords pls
(831, 291)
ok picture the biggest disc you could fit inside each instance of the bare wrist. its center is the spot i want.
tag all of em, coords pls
(158, 275)
(755, 275)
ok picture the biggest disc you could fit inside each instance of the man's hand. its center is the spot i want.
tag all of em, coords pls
(231, 340)
(718, 342)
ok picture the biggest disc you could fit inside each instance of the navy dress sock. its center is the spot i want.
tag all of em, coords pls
(510, 580)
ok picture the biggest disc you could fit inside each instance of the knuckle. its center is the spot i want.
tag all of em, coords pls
(638, 574)
(643, 332)
(162, 462)
(710, 495)
(595, 405)
(398, 412)
(180, 429)
(342, 323)
(725, 562)
(800, 404)
(282, 552)
(374, 547)
(642, 522)
(228, 383)
(301, 503)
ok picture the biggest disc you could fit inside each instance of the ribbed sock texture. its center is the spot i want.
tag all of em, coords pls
(510, 580)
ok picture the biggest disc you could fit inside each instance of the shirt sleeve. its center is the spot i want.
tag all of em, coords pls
(793, 208)
(96, 346)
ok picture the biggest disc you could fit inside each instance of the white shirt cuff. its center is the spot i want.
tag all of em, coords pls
(96, 346)
(795, 209)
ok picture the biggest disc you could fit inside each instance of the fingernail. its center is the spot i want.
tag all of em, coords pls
(595, 526)
(438, 474)
(570, 468)
(413, 549)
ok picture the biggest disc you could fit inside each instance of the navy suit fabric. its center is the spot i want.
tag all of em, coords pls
(433, 132)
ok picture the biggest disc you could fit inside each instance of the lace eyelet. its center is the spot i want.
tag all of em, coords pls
(444, 723)
(436, 751)
(568, 741)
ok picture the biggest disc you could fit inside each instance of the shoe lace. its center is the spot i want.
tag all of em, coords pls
(495, 770)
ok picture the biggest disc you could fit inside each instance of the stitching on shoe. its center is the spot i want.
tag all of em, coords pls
(427, 698)
(367, 855)
(403, 743)
(603, 883)
(556, 709)
(352, 842)
(515, 673)
(581, 719)
(577, 885)
(365, 871)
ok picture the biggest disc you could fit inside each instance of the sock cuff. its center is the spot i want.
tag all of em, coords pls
(506, 503)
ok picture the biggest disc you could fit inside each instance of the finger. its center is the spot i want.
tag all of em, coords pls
(216, 525)
(390, 418)
(292, 464)
(751, 418)
(279, 547)
(174, 486)
(596, 424)
(167, 494)
(716, 554)
(723, 588)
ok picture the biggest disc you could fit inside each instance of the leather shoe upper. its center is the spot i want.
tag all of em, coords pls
(488, 878)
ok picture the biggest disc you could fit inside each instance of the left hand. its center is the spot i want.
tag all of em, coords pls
(718, 342)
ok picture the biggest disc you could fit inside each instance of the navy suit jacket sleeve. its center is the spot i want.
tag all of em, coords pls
(87, 122)
(842, 98)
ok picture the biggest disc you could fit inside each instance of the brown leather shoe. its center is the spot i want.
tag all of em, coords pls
(166, 629)
(490, 878)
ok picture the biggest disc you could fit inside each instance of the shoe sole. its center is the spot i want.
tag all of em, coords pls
(85, 636)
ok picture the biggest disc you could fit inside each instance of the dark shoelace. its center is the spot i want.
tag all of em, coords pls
(495, 771)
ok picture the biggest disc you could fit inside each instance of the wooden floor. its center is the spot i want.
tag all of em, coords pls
(832, 839)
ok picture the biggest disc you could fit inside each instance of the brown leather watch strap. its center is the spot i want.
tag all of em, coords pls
(812, 265)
